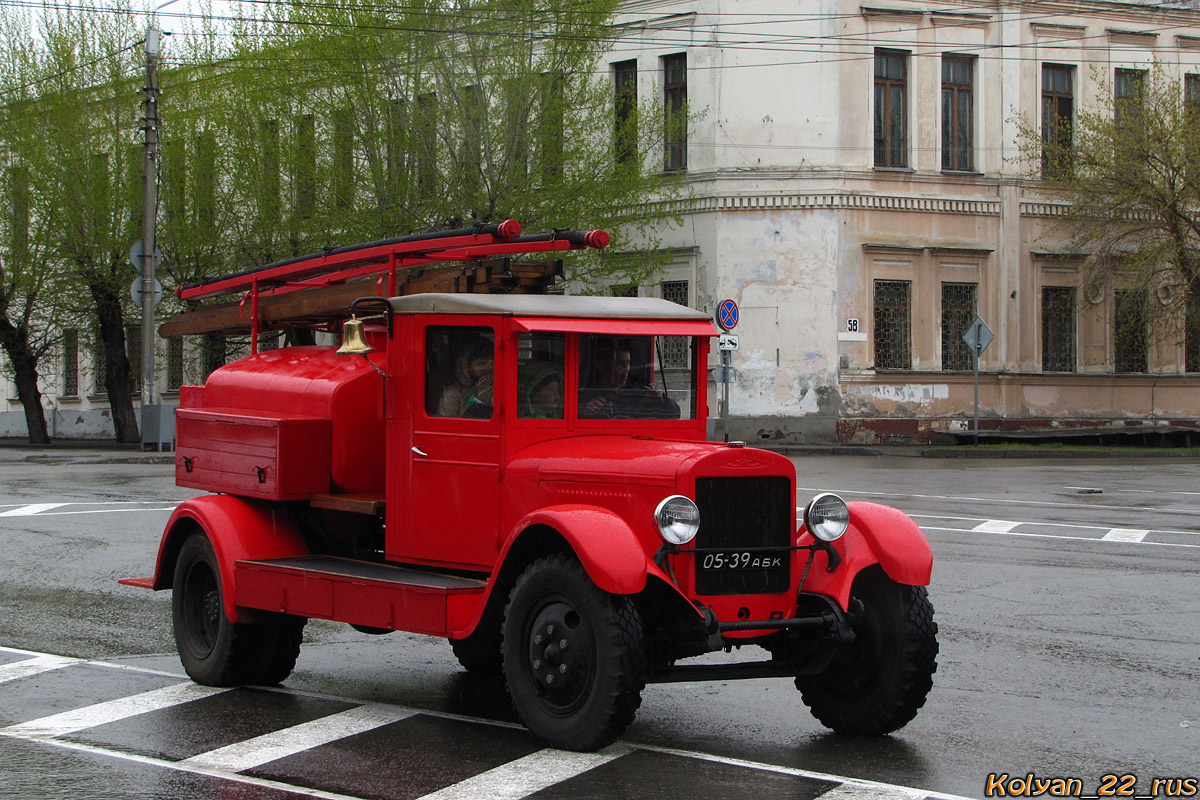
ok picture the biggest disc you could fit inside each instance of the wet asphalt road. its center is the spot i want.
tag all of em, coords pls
(1066, 593)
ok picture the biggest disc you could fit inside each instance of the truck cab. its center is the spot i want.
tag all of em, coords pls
(528, 477)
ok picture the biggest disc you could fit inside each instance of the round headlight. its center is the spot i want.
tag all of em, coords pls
(677, 519)
(827, 517)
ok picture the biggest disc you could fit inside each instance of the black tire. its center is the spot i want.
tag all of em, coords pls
(214, 650)
(877, 684)
(580, 696)
(480, 652)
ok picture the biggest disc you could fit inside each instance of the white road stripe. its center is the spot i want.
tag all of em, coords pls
(525, 776)
(853, 791)
(279, 744)
(30, 510)
(995, 526)
(1124, 535)
(111, 711)
(1007, 501)
(34, 666)
(1072, 525)
(1092, 539)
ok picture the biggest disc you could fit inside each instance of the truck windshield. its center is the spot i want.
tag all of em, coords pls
(636, 377)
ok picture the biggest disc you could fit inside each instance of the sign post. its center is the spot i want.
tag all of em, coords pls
(977, 337)
(727, 317)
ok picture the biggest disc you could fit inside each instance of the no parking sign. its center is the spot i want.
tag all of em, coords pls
(727, 315)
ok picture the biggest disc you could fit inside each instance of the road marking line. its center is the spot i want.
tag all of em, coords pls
(30, 510)
(995, 526)
(850, 791)
(111, 711)
(1051, 524)
(289, 788)
(1053, 536)
(527, 775)
(286, 742)
(1187, 512)
(34, 666)
(1124, 535)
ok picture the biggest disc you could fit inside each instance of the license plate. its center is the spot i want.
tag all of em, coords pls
(736, 560)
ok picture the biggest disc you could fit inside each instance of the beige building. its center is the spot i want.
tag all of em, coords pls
(859, 190)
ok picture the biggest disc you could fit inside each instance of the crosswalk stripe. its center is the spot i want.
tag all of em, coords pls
(111, 711)
(857, 791)
(33, 666)
(30, 510)
(1124, 535)
(995, 526)
(279, 744)
(525, 776)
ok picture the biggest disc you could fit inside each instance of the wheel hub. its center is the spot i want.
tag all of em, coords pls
(560, 654)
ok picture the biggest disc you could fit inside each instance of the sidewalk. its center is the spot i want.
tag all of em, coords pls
(80, 451)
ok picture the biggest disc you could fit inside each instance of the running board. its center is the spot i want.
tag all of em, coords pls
(361, 593)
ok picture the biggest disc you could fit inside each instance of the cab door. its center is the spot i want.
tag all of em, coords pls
(454, 458)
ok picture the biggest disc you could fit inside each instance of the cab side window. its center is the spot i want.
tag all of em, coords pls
(460, 366)
(540, 384)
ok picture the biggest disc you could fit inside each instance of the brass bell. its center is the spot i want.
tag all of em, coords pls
(354, 339)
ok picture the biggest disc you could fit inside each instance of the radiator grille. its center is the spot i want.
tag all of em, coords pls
(737, 514)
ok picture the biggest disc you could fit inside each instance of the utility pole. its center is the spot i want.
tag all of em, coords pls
(149, 220)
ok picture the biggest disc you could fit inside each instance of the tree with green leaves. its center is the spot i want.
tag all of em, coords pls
(1130, 174)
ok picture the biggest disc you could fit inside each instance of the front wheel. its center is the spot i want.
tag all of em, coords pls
(573, 656)
(214, 650)
(876, 685)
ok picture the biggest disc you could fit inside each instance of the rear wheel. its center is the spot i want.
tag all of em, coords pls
(877, 684)
(573, 656)
(214, 650)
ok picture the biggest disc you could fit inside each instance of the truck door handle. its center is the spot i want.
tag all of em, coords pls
(419, 451)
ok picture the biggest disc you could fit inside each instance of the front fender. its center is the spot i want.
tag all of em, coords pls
(877, 534)
(604, 543)
(238, 529)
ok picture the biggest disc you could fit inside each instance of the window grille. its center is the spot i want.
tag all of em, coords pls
(1191, 344)
(957, 110)
(212, 353)
(1191, 93)
(891, 108)
(623, 290)
(70, 363)
(1058, 328)
(133, 351)
(1130, 331)
(676, 349)
(958, 312)
(1058, 114)
(174, 363)
(893, 324)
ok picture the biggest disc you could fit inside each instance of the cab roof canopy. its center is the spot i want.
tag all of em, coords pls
(547, 305)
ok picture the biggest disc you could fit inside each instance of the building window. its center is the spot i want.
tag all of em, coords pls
(1058, 329)
(676, 349)
(426, 144)
(1191, 337)
(1127, 96)
(891, 108)
(625, 98)
(675, 96)
(174, 363)
(1130, 332)
(623, 290)
(957, 113)
(1058, 115)
(212, 353)
(1191, 93)
(306, 166)
(70, 363)
(893, 326)
(958, 312)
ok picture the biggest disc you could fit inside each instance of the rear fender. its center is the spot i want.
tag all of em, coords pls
(877, 535)
(238, 529)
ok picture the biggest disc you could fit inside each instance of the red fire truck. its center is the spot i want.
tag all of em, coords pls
(527, 476)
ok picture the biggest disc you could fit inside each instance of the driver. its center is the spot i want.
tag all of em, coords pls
(613, 395)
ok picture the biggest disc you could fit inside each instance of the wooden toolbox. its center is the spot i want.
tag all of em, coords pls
(271, 457)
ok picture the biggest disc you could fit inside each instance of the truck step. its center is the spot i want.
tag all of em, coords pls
(359, 592)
